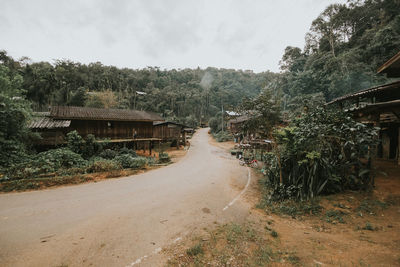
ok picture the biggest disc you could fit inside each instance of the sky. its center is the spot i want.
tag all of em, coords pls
(233, 34)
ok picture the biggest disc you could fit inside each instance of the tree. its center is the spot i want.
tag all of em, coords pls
(104, 99)
(78, 98)
(15, 113)
(263, 112)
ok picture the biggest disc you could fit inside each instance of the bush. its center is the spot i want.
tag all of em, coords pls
(103, 165)
(75, 142)
(127, 151)
(91, 147)
(320, 153)
(88, 147)
(163, 157)
(223, 136)
(108, 154)
(127, 161)
(47, 162)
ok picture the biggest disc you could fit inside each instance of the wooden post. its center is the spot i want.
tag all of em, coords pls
(150, 144)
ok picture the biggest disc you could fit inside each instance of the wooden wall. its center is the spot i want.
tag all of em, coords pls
(167, 132)
(112, 129)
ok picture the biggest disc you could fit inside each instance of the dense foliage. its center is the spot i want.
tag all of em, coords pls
(80, 156)
(14, 114)
(322, 151)
(188, 95)
(344, 48)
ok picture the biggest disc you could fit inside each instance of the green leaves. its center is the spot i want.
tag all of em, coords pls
(321, 152)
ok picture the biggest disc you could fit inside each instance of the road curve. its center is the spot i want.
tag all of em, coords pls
(123, 221)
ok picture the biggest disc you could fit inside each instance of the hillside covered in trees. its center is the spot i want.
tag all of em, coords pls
(187, 95)
(344, 48)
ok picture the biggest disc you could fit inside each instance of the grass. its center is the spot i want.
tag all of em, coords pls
(292, 208)
(370, 206)
(334, 216)
(195, 250)
(235, 245)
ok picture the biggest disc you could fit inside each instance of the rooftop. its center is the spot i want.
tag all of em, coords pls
(85, 113)
(390, 90)
(391, 67)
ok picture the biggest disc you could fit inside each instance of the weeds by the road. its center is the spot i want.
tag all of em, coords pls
(236, 245)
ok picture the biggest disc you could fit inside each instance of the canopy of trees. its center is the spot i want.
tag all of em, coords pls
(344, 48)
(184, 95)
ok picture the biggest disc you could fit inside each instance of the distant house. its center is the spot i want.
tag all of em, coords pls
(170, 131)
(379, 106)
(235, 126)
(115, 124)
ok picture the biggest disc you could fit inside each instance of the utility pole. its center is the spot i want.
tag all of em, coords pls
(222, 116)
(134, 101)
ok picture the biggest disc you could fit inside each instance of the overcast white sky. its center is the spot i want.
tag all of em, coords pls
(169, 34)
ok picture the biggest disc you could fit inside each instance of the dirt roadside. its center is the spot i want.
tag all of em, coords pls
(350, 229)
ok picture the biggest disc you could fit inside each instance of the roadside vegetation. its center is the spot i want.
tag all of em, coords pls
(235, 245)
(71, 163)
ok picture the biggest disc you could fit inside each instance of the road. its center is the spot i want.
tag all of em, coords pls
(124, 221)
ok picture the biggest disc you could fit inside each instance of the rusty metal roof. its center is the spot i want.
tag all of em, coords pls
(239, 119)
(48, 123)
(85, 113)
(159, 123)
(368, 92)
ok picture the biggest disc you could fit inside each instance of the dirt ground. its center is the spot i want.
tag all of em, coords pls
(351, 229)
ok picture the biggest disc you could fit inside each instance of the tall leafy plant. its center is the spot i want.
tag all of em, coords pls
(321, 152)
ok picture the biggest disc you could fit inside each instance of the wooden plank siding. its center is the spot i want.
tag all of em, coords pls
(112, 129)
(167, 132)
(113, 124)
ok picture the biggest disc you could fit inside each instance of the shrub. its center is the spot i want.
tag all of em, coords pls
(127, 161)
(163, 157)
(46, 162)
(88, 147)
(91, 147)
(75, 142)
(127, 151)
(320, 153)
(104, 165)
(108, 154)
(223, 136)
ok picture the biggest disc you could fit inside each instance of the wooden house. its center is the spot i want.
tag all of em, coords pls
(379, 106)
(169, 131)
(117, 125)
(235, 126)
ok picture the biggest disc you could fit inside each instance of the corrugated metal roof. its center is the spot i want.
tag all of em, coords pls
(239, 119)
(157, 123)
(391, 67)
(85, 113)
(366, 92)
(48, 123)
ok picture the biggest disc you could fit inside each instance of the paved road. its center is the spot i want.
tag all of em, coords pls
(119, 222)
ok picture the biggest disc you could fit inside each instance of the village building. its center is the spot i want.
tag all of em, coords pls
(116, 125)
(169, 131)
(379, 106)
